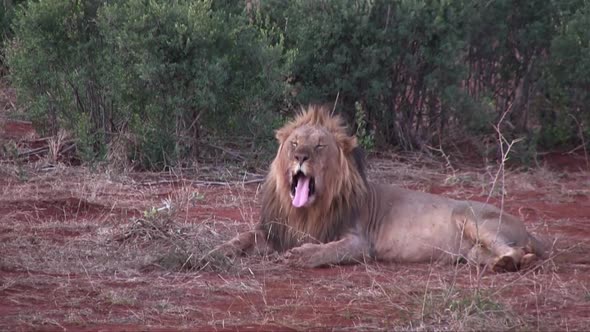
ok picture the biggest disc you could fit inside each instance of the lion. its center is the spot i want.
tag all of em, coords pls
(318, 208)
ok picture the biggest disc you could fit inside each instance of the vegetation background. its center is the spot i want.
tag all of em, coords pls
(162, 83)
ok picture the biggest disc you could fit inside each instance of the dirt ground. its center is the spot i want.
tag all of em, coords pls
(84, 249)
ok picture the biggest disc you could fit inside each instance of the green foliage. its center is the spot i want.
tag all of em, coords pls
(168, 72)
(7, 13)
(564, 110)
(425, 70)
(377, 53)
(55, 62)
(365, 136)
(182, 68)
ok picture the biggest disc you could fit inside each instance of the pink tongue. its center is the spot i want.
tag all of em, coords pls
(301, 192)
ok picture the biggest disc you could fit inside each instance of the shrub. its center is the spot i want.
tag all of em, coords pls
(184, 69)
(566, 91)
(55, 63)
(167, 72)
(7, 13)
(170, 75)
(425, 71)
(397, 59)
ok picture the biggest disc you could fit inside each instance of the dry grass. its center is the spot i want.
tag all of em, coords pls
(176, 248)
(115, 250)
(91, 250)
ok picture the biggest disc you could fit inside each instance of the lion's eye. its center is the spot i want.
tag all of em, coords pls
(320, 146)
(294, 144)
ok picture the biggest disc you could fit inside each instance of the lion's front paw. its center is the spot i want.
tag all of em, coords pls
(307, 255)
(504, 264)
(226, 249)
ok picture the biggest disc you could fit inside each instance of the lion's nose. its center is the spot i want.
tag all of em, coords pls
(301, 157)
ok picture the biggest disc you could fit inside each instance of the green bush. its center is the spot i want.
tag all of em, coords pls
(7, 13)
(428, 70)
(564, 111)
(184, 70)
(55, 64)
(398, 59)
(169, 73)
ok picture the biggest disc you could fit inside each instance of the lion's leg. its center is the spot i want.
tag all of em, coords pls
(506, 257)
(243, 243)
(480, 255)
(349, 250)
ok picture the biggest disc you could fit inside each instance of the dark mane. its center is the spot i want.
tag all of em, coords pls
(360, 160)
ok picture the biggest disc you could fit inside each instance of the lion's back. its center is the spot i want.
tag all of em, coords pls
(405, 225)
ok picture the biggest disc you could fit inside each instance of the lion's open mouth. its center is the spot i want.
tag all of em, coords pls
(302, 188)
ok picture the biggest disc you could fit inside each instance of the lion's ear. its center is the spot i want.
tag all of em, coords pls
(283, 133)
(347, 143)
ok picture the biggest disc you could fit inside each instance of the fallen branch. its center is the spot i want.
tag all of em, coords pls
(204, 182)
(66, 147)
(222, 183)
(234, 154)
(33, 152)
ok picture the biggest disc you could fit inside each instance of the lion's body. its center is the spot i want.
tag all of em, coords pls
(319, 208)
(437, 228)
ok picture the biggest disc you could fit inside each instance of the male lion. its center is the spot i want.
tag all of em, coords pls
(318, 207)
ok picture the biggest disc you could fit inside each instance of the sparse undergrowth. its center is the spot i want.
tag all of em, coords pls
(96, 250)
(175, 247)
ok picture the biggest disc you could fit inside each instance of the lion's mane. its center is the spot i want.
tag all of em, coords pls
(338, 206)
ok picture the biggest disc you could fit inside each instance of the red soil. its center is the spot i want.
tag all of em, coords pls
(320, 298)
(271, 297)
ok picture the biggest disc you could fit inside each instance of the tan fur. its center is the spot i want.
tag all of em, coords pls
(343, 194)
(351, 220)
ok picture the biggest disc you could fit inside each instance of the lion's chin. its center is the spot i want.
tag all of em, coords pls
(302, 190)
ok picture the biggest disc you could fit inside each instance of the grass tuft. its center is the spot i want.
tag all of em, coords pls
(176, 248)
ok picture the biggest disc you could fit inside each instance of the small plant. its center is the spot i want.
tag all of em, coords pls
(466, 310)
(122, 298)
(55, 145)
(473, 305)
(366, 137)
(10, 151)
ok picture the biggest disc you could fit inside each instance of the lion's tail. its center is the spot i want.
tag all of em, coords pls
(560, 250)
(538, 247)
